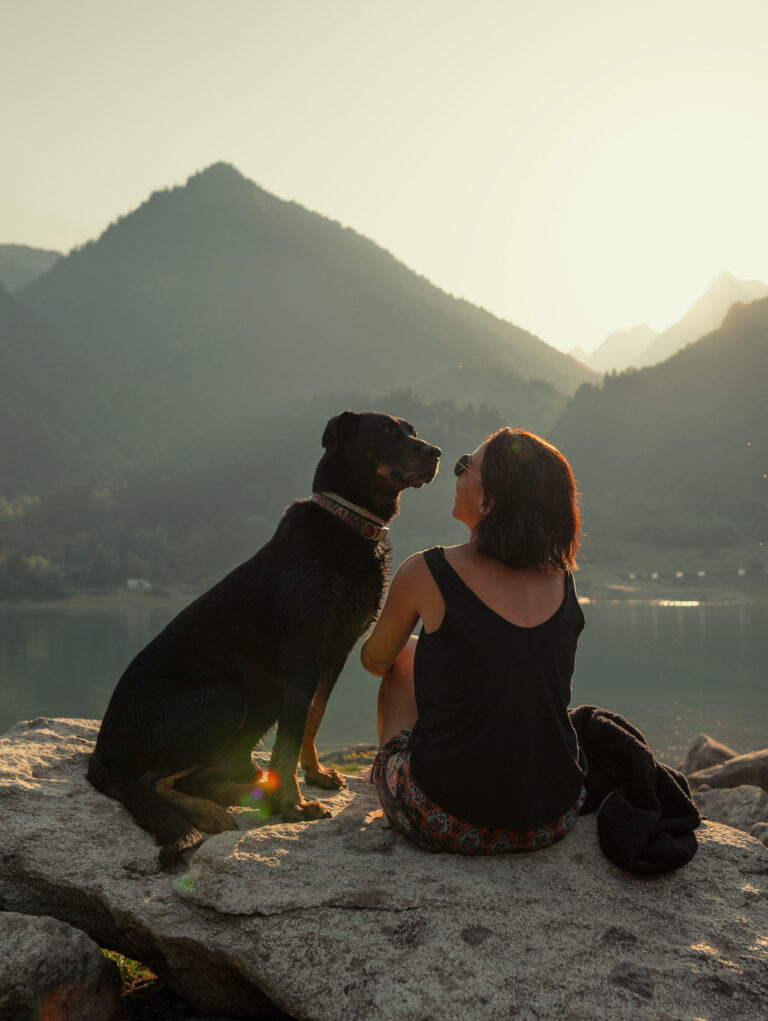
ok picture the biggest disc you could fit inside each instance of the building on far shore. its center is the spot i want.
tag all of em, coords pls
(138, 585)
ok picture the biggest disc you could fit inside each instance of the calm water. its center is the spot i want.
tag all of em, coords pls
(671, 670)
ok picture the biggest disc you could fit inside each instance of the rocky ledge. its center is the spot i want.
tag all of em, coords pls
(342, 918)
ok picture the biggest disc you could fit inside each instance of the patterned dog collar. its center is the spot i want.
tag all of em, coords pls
(368, 529)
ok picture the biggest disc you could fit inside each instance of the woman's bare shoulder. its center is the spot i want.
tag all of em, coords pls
(414, 573)
(483, 573)
(466, 556)
(465, 551)
(413, 567)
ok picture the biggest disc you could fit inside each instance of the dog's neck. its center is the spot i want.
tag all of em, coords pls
(372, 497)
(369, 525)
(353, 507)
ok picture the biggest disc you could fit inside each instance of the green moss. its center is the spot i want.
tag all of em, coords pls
(350, 760)
(133, 974)
(143, 995)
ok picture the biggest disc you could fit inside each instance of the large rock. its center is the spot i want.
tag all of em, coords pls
(341, 918)
(751, 769)
(51, 971)
(760, 831)
(741, 807)
(705, 752)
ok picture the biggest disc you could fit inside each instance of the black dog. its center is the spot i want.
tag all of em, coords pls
(265, 644)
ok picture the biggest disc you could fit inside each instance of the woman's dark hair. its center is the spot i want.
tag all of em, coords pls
(534, 516)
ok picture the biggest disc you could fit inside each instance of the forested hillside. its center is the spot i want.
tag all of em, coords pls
(21, 264)
(677, 454)
(31, 396)
(190, 519)
(196, 316)
(163, 391)
(164, 388)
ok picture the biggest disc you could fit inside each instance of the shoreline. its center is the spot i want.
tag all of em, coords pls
(112, 601)
(602, 592)
(670, 595)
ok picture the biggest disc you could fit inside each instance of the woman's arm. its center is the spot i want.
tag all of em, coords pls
(397, 618)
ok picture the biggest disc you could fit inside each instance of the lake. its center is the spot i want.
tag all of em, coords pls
(672, 670)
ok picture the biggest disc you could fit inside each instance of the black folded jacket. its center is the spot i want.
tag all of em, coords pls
(645, 812)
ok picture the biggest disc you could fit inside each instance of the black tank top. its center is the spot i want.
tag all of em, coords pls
(493, 743)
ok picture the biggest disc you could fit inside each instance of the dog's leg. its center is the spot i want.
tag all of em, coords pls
(204, 813)
(314, 773)
(299, 683)
(231, 776)
(149, 746)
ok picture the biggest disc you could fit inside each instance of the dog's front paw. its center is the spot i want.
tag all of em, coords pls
(323, 776)
(305, 811)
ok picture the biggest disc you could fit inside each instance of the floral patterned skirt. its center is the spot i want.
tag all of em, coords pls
(410, 811)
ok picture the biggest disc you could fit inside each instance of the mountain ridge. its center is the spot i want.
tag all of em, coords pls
(705, 314)
(213, 301)
(208, 183)
(640, 346)
(619, 349)
(21, 264)
(677, 453)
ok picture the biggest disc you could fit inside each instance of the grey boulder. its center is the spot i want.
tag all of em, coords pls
(741, 807)
(751, 768)
(50, 970)
(760, 832)
(705, 752)
(342, 918)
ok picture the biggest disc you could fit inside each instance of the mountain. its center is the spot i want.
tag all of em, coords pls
(677, 454)
(620, 350)
(20, 265)
(192, 517)
(705, 315)
(214, 305)
(29, 449)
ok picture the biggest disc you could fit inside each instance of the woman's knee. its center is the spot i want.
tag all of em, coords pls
(395, 685)
(397, 700)
(404, 661)
(401, 672)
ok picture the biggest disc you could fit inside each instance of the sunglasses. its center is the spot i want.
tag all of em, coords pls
(462, 465)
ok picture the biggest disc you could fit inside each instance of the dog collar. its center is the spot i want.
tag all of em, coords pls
(358, 518)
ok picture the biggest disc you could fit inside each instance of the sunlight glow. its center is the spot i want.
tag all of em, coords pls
(574, 168)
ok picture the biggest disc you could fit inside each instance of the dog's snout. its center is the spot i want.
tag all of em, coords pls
(433, 451)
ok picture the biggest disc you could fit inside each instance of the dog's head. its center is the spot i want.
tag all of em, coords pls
(370, 458)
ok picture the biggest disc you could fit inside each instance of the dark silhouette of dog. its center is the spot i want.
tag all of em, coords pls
(263, 646)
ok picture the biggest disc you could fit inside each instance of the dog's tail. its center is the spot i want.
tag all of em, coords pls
(172, 829)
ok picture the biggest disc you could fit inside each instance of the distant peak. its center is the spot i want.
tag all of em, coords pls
(220, 178)
(724, 278)
(220, 171)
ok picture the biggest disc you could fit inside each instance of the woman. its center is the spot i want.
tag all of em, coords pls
(477, 752)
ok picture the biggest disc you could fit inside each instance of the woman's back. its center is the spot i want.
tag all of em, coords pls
(493, 743)
(525, 597)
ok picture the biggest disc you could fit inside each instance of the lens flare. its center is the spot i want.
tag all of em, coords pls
(257, 799)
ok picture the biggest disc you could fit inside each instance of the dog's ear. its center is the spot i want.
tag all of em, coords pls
(341, 427)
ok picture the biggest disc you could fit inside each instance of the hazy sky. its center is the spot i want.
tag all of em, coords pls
(574, 166)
